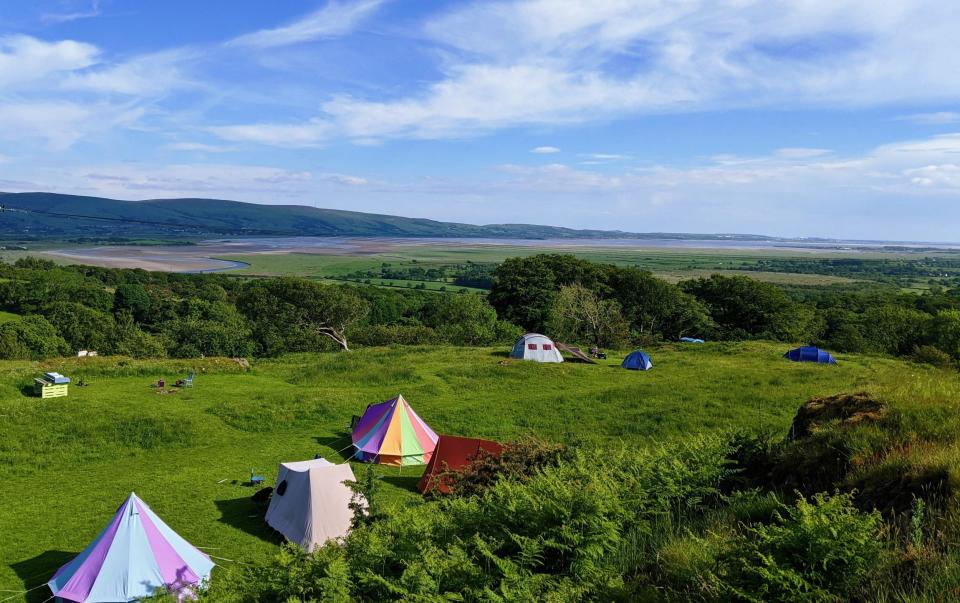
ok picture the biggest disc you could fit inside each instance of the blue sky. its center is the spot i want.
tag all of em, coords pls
(817, 118)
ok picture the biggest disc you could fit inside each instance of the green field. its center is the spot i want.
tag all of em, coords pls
(671, 264)
(67, 463)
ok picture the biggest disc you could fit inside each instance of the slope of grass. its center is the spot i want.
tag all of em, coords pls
(67, 463)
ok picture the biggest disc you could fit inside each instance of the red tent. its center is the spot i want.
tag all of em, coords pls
(451, 454)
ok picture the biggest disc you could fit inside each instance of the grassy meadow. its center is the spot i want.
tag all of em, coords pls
(66, 463)
(671, 264)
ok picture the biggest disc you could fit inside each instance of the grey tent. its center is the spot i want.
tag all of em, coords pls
(310, 503)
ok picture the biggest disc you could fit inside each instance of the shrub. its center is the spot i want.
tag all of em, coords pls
(518, 461)
(815, 550)
(932, 355)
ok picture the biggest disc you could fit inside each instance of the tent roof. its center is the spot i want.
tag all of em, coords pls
(133, 556)
(452, 453)
(393, 429)
(306, 465)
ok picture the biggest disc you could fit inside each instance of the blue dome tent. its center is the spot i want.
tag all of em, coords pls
(810, 354)
(637, 361)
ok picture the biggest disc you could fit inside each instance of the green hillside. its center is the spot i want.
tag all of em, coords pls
(71, 461)
(56, 216)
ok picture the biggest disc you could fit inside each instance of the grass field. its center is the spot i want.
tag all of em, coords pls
(672, 264)
(67, 463)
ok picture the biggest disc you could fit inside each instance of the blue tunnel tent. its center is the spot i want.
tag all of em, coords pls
(637, 361)
(810, 354)
(691, 340)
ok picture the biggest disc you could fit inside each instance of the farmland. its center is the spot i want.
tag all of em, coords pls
(69, 462)
(672, 264)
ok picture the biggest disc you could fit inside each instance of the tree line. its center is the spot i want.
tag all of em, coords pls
(62, 309)
(607, 305)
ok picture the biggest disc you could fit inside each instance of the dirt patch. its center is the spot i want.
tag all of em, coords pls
(848, 409)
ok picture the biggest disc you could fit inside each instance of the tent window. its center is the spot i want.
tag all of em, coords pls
(281, 488)
(531, 346)
(547, 346)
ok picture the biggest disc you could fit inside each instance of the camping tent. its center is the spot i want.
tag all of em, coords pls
(810, 354)
(135, 555)
(310, 503)
(691, 340)
(637, 361)
(534, 346)
(453, 453)
(390, 433)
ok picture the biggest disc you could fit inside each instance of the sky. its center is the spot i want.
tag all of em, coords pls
(830, 118)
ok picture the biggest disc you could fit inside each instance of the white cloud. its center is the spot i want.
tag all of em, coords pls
(558, 62)
(25, 59)
(933, 119)
(333, 20)
(545, 150)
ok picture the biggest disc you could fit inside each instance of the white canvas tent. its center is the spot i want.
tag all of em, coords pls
(310, 502)
(534, 346)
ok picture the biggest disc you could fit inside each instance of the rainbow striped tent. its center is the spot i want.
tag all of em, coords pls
(135, 555)
(390, 433)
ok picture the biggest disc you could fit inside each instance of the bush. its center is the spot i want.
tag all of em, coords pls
(932, 355)
(815, 550)
(518, 461)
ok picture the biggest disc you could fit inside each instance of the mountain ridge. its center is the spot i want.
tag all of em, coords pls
(44, 215)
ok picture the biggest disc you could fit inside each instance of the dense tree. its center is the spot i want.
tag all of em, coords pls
(893, 329)
(82, 327)
(658, 309)
(31, 337)
(523, 289)
(133, 298)
(209, 329)
(130, 340)
(465, 320)
(945, 332)
(578, 314)
(743, 307)
(297, 307)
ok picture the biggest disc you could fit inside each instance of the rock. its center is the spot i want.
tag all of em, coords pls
(849, 409)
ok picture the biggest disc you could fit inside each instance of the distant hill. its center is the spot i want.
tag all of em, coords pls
(56, 216)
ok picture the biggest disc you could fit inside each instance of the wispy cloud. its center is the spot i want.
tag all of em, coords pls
(800, 153)
(143, 75)
(333, 20)
(545, 150)
(601, 158)
(93, 10)
(199, 147)
(544, 62)
(59, 124)
(933, 119)
(308, 134)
